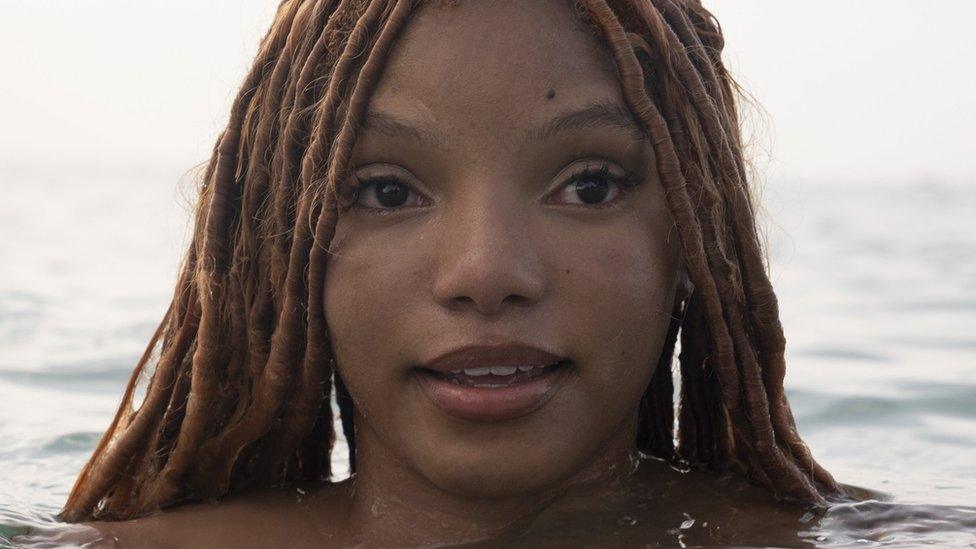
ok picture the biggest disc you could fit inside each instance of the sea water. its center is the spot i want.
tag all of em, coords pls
(877, 289)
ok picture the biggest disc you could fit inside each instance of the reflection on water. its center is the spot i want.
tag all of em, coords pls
(894, 525)
(877, 287)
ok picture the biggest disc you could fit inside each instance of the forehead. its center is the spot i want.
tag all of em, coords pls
(494, 64)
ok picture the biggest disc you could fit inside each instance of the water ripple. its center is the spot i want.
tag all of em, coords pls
(875, 523)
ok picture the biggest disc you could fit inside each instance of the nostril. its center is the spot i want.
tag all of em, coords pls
(487, 283)
(487, 305)
(462, 300)
(516, 300)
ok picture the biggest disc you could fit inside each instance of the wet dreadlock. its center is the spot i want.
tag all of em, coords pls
(242, 373)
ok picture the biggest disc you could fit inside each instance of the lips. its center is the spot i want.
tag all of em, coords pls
(494, 376)
(492, 383)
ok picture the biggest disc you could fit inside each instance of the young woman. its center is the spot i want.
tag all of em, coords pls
(486, 226)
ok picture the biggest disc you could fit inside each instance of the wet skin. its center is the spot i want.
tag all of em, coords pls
(653, 506)
(491, 241)
(492, 244)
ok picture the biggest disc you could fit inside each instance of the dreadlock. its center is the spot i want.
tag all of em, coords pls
(239, 396)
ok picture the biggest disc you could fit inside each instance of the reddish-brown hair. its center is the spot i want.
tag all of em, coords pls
(241, 379)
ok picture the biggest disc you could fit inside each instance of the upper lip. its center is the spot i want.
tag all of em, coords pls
(478, 356)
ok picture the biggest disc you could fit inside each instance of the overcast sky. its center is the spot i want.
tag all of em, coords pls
(855, 91)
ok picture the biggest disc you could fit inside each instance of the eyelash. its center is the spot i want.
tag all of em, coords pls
(626, 183)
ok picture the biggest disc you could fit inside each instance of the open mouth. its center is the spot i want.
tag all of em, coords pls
(493, 393)
(495, 377)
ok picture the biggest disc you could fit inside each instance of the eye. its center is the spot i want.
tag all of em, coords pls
(385, 193)
(594, 185)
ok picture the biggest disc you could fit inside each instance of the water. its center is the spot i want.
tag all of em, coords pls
(877, 287)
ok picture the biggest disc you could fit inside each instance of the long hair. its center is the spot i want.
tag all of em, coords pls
(240, 369)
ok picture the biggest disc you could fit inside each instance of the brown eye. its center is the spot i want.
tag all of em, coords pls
(390, 194)
(594, 186)
(385, 193)
(588, 190)
(592, 191)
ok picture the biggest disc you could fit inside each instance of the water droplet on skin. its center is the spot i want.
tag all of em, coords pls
(374, 509)
(626, 521)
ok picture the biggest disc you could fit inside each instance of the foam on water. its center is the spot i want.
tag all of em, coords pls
(877, 289)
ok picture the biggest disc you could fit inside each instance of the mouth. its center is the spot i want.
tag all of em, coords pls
(492, 383)
(495, 377)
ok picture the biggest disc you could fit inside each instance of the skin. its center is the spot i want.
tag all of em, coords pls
(495, 247)
(491, 247)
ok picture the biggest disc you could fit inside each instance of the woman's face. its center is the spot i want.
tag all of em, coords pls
(508, 198)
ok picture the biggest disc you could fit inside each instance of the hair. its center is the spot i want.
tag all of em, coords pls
(242, 373)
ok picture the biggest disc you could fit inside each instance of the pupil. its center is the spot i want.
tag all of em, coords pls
(592, 191)
(391, 194)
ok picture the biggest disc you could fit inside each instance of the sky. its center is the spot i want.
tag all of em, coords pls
(867, 91)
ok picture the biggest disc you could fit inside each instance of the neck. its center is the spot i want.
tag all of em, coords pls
(392, 503)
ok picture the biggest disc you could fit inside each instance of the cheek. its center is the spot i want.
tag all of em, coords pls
(371, 282)
(619, 292)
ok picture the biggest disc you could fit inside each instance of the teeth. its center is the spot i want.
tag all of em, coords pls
(494, 370)
(490, 385)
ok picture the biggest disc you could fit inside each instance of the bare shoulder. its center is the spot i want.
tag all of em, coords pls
(666, 507)
(711, 508)
(289, 517)
(252, 519)
(717, 494)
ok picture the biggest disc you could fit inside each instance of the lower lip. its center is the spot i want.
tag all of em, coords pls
(491, 403)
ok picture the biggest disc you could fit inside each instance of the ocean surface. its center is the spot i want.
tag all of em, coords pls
(877, 287)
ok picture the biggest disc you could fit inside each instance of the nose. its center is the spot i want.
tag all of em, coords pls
(488, 260)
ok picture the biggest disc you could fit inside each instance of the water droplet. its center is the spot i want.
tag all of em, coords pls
(375, 510)
(626, 521)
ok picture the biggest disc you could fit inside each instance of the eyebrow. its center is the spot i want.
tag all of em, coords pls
(392, 126)
(593, 115)
(597, 114)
